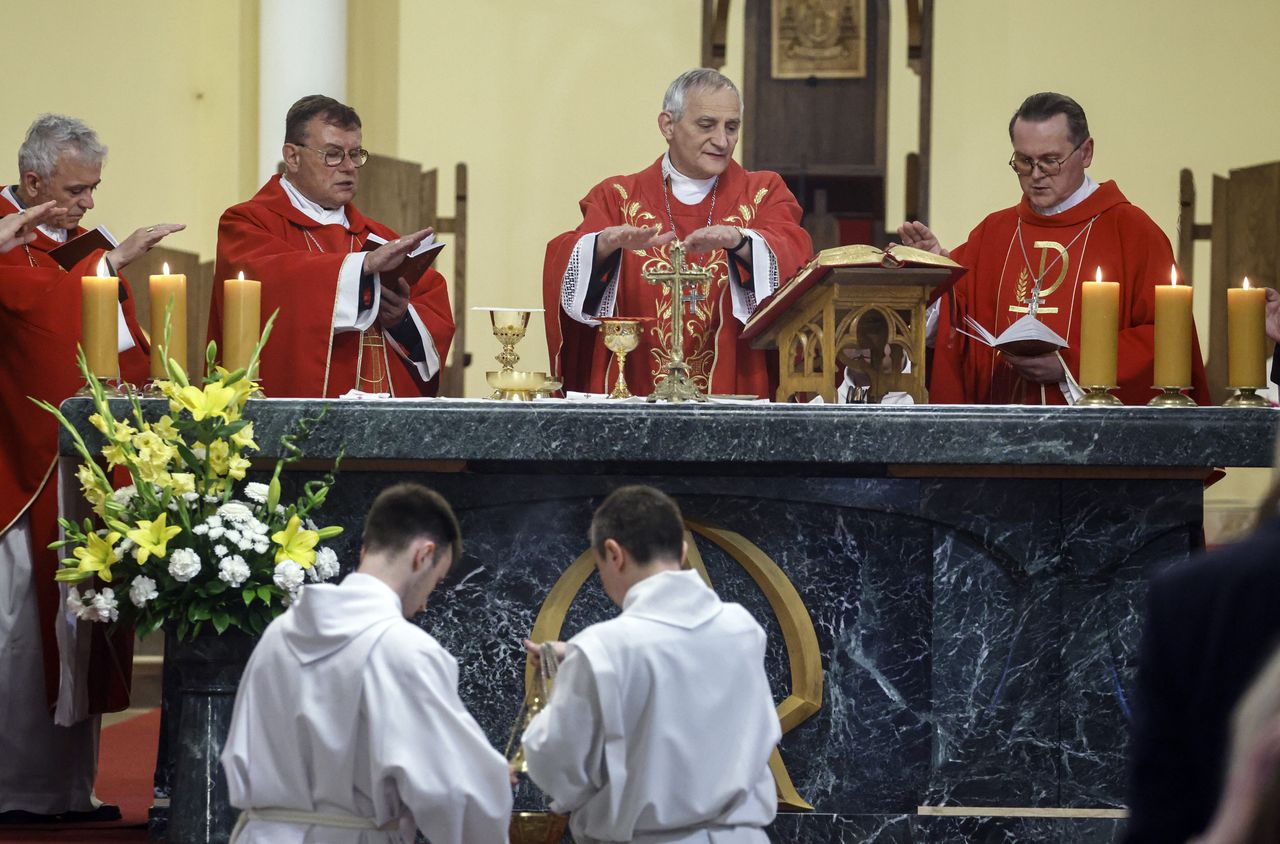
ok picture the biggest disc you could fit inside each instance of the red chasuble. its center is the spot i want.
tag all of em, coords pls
(297, 260)
(40, 322)
(1005, 255)
(718, 361)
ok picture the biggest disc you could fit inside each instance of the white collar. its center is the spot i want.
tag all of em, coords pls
(323, 216)
(59, 235)
(1086, 189)
(687, 190)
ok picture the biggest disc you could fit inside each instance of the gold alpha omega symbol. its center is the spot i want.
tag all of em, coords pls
(1037, 295)
(798, 634)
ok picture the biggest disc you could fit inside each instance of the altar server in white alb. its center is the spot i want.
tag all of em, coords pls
(661, 723)
(348, 727)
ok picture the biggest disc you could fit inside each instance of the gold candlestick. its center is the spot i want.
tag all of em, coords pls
(1171, 397)
(1246, 397)
(621, 335)
(1098, 396)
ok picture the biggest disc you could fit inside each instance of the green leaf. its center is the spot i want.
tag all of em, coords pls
(265, 593)
(198, 612)
(221, 622)
(248, 595)
(215, 587)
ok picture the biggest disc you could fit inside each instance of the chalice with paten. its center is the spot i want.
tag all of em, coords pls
(621, 335)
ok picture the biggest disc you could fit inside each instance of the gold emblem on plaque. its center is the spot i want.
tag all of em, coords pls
(798, 635)
(824, 39)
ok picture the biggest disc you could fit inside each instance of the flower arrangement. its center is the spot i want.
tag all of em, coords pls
(189, 541)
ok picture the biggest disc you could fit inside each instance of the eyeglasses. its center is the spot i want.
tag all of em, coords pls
(334, 157)
(1051, 166)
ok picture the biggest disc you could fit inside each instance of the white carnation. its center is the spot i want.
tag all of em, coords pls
(236, 511)
(255, 491)
(232, 535)
(74, 603)
(234, 570)
(101, 606)
(184, 564)
(220, 550)
(200, 529)
(142, 589)
(326, 565)
(288, 576)
(124, 495)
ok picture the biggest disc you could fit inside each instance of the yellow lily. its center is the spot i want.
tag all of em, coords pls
(296, 544)
(96, 556)
(152, 537)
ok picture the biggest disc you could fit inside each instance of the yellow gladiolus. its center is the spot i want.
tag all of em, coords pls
(296, 544)
(96, 556)
(152, 537)
(122, 431)
(236, 467)
(213, 400)
(97, 421)
(182, 482)
(91, 486)
(165, 429)
(115, 455)
(219, 457)
(244, 437)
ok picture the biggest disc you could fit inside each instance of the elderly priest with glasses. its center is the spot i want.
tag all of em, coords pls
(353, 316)
(1034, 256)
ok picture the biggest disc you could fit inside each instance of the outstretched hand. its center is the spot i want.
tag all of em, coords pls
(614, 238)
(919, 236)
(18, 229)
(391, 254)
(712, 237)
(137, 244)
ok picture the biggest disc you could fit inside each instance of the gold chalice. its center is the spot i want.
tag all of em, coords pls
(509, 325)
(621, 335)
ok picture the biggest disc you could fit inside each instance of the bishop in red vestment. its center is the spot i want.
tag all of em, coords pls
(1064, 229)
(742, 226)
(45, 769)
(347, 321)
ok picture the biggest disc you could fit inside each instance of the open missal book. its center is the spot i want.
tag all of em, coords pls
(77, 248)
(1026, 337)
(417, 262)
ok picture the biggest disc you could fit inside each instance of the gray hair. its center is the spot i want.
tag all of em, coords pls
(50, 136)
(700, 77)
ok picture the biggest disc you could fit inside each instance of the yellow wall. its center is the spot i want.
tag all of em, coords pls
(171, 88)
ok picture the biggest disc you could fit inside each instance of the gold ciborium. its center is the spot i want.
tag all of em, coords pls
(509, 326)
(536, 828)
(621, 335)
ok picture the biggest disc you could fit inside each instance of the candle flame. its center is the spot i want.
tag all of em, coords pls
(1099, 278)
(166, 267)
(1173, 275)
(102, 267)
(1246, 282)
(242, 275)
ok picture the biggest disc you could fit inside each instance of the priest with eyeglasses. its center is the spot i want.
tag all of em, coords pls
(349, 319)
(1033, 257)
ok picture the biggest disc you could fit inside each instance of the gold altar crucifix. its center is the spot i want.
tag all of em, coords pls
(678, 386)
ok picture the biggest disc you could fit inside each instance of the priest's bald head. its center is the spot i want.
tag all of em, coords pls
(701, 117)
(411, 538)
(322, 151)
(1051, 148)
(636, 532)
(60, 159)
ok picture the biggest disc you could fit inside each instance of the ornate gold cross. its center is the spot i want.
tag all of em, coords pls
(677, 386)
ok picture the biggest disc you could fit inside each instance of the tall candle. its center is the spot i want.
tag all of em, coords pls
(1173, 333)
(99, 327)
(1099, 332)
(1246, 336)
(242, 321)
(166, 289)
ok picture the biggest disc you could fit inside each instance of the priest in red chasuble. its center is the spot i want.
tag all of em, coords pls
(1064, 229)
(48, 770)
(743, 226)
(348, 321)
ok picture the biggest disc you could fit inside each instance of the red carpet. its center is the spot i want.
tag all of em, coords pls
(126, 758)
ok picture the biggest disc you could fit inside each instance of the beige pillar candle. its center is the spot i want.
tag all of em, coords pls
(166, 289)
(99, 326)
(241, 321)
(1173, 334)
(1246, 337)
(1099, 332)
